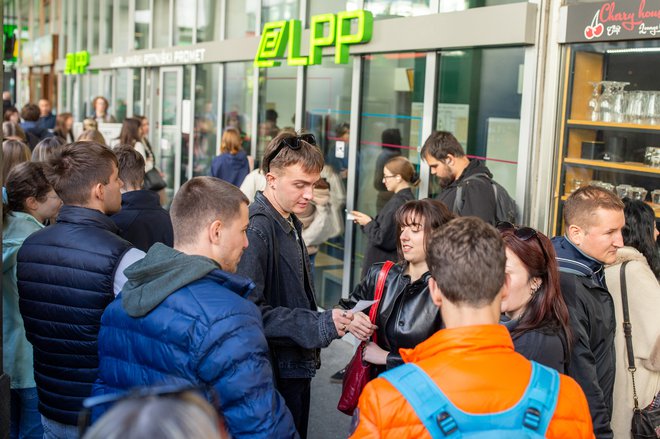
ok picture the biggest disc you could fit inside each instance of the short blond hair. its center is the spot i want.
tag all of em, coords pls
(581, 205)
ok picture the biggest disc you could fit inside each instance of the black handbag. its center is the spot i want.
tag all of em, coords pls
(645, 422)
(153, 181)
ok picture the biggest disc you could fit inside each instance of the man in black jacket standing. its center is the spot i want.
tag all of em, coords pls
(142, 220)
(277, 261)
(593, 219)
(448, 162)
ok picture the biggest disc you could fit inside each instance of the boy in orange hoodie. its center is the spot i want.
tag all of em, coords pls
(472, 361)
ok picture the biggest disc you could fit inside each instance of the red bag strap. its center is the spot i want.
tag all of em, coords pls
(378, 293)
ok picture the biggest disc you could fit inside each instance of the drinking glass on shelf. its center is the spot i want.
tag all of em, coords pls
(593, 105)
(623, 190)
(577, 184)
(655, 196)
(636, 107)
(606, 102)
(653, 108)
(638, 193)
(608, 186)
(619, 104)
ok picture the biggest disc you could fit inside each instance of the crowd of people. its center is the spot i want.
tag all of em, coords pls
(121, 319)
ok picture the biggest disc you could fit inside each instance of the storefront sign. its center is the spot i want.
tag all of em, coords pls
(38, 52)
(160, 57)
(613, 20)
(76, 63)
(278, 35)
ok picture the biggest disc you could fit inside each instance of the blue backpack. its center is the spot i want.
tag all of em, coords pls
(529, 418)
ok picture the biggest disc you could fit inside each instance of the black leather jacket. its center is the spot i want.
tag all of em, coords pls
(406, 316)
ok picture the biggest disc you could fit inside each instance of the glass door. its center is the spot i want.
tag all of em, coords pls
(169, 127)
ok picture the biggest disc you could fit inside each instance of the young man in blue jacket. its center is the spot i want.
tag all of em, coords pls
(182, 316)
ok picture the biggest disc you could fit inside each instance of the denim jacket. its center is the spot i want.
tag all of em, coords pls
(279, 266)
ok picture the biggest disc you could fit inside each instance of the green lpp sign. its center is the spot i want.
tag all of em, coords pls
(76, 63)
(277, 36)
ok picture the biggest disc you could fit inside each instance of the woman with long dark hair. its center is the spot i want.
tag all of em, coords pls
(132, 134)
(30, 201)
(643, 293)
(406, 313)
(534, 310)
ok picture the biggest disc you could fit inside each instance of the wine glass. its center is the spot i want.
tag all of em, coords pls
(619, 106)
(606, 102)
(652, 108)
(593, 104)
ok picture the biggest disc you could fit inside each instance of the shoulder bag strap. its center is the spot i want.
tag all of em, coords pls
(378, 293)
(627, 330)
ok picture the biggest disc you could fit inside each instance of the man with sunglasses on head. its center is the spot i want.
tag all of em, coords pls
(453, 169)
(593, 220)
(277, 262)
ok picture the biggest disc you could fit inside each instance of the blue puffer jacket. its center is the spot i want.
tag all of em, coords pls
(65, 280)
(181, 320)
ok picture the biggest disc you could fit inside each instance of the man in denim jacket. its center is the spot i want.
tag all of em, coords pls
(277, 262)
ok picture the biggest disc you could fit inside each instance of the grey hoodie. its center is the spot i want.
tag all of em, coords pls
(162, 272)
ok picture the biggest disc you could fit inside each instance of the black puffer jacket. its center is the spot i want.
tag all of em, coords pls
(406, 316)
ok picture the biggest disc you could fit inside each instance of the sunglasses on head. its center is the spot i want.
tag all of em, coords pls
(292, 143)
(522, 233)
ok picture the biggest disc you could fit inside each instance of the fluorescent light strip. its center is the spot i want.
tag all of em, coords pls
(634, 50)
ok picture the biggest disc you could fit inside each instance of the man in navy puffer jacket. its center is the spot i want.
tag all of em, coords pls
(182, 316)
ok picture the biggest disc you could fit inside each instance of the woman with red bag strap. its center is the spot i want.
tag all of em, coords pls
(405, 315)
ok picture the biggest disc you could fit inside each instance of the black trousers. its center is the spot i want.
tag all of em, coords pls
(296, 393)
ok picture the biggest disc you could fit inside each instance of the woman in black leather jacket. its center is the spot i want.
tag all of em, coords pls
(406, 313)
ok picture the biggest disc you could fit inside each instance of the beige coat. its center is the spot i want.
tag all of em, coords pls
(644, 305)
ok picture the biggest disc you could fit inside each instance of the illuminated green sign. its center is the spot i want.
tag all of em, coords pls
(325, 30)
(76, 63)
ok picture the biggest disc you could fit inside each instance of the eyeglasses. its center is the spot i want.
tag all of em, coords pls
(168, 390)
(385, 177)
(292, 143)
(522, 233)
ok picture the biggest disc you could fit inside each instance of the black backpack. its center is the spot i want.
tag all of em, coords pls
(506, 209)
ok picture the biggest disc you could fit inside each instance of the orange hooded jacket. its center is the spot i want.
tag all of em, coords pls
(478, 370)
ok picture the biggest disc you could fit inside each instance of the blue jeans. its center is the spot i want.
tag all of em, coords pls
(25, 419)
(55, 430)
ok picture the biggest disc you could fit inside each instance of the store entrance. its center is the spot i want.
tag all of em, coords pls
(168, 123)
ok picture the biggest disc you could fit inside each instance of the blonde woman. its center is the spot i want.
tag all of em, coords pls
(232, 164)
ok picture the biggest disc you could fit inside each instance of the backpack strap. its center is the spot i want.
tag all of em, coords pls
(442, 418)
(459, 201)
(426, 399)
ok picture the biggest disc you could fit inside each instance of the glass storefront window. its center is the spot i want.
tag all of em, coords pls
(327, 112)
(384, 9)
(184, 21)
(108, 18)
(73, 38)
(84, 6)
(121, 27)
(241, 18)
(207, 85)
(121, 94)
(142, 24)
(461, 5)
(137, 93)
(238, 91)
(186, 158)
(329, 6)
(390, 126)
(161, 14)
(479, 98)
(93, 13)
(208, 20)
(277, 104)
(273, 10)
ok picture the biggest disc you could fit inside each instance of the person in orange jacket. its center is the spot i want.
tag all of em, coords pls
(472, 361)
